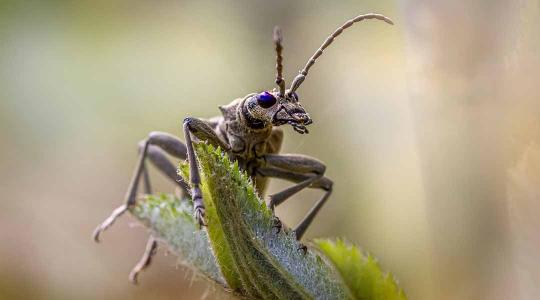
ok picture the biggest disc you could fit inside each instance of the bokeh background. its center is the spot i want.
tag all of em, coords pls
(429, 128)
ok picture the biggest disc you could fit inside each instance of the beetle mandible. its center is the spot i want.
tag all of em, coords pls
(248, 131)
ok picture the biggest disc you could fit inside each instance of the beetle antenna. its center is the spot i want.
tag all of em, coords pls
(300, 77)
(278, 39)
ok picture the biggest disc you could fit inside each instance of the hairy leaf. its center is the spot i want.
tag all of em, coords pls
(361, 273)
(240, 248)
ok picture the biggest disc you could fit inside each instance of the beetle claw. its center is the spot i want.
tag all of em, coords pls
(199, 216)
(303, 248)
(277, 224)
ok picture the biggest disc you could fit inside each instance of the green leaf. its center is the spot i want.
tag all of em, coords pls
(214, 228)
(361, 273)
(171, 219)
(269, 265)
(241, 250)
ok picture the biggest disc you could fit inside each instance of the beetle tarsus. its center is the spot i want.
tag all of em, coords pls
(108, 222)
(146, 260)
(277, 224)
(199, 215)
(303, 248)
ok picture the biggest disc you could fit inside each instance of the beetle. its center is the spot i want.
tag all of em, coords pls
(248, 131)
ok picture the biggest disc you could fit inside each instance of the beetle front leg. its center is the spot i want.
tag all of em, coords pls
(202, 131)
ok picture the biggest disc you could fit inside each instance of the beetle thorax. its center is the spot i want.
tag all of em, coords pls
(246, 135)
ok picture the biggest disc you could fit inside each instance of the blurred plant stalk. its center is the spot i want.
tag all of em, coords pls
(469, 89)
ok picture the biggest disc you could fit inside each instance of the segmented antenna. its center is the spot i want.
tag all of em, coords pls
(278, 39)
(300, 77)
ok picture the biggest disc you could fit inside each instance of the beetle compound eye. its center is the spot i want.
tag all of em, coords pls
(266, 100)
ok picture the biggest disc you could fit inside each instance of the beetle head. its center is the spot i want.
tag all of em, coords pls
(271, 107)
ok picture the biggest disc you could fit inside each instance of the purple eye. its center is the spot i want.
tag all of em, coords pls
(266, 100)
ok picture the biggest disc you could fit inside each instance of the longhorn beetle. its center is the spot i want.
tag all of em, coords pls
(248, 132)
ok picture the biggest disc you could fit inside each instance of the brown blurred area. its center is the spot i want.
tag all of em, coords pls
(430, 130)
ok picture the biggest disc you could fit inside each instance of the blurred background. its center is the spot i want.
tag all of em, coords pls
(430, 130)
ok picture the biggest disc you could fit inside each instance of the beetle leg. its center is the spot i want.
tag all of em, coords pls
(151, 244)
(202, 131)
(146, 259)
(278, 198)
(307, 172)
(153, 148)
